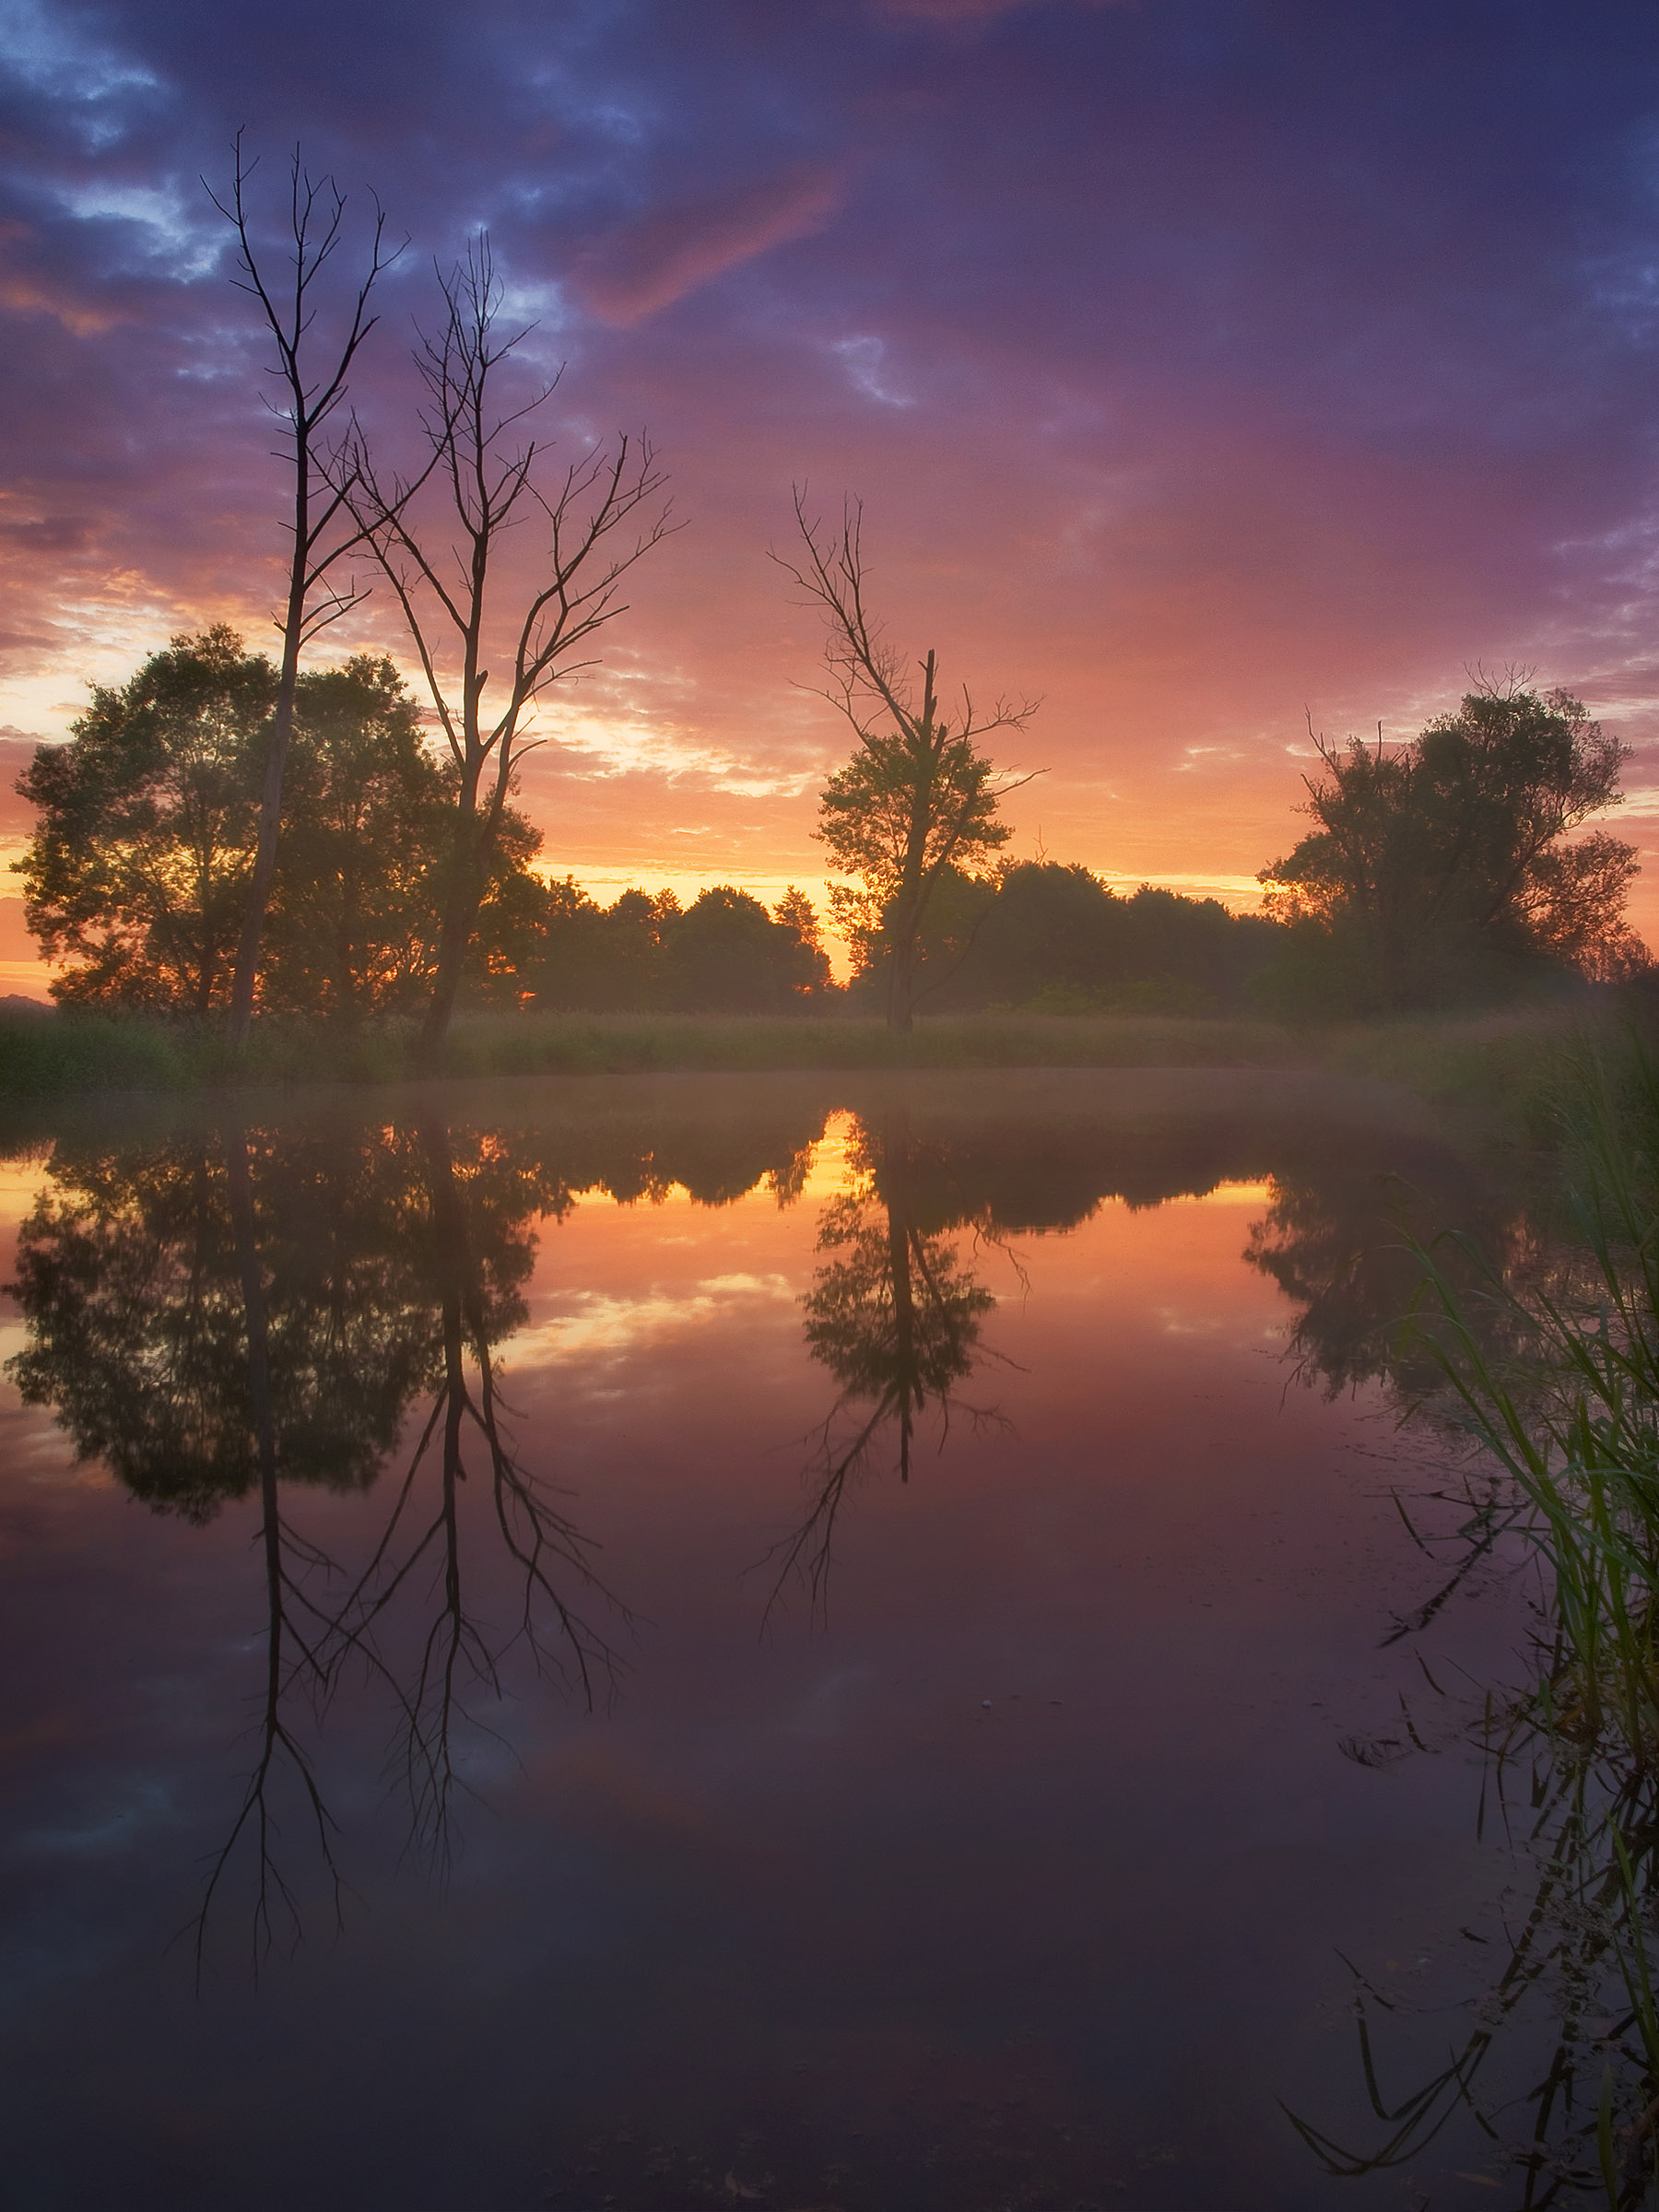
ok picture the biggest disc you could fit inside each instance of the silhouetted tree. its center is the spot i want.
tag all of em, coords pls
(1438, 871)
(448, 581)
(809, 963)
(353, 915)
(137, 871)
(918, 798)
(1054, 939)
(147, 828)
(726, 955)
(309, 395)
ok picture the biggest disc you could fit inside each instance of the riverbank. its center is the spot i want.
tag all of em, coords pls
(1488, 1062)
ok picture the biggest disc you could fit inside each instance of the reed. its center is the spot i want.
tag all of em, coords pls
(1556, 1376)
(1569, 1408)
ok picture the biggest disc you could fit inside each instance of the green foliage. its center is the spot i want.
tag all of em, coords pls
(917, 805)
(136, 877)
(909, 816)
(723, 954)
(351, 924)
(1054, 939)
(1569, 1403)
(138, 873)
(727, 954)
(1438, 874)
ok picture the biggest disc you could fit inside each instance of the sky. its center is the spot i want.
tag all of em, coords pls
(1213, 371)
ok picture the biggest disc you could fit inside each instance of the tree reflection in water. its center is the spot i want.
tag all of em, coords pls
(248, 1313)
(896, 1314)
(893, 1315)
(479, 1252)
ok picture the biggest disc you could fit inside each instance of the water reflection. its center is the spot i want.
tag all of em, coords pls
(133, 1290)
(892, 1313)
(896, 1312)
(1552, 1985)
(238, 1310)
(316, 1317)
(261, 1310)
(1547, 2009)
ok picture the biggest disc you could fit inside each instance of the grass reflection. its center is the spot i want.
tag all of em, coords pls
(1541, 1351)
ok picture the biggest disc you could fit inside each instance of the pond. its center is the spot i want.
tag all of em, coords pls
(792, 1641)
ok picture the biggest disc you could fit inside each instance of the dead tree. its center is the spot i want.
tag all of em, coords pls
(918, 798)
(600, 516)
(310, 396)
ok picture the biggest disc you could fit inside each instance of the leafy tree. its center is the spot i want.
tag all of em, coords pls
(596, 959)
(147, 826)
(918, 799)
(722, 954)
(1053, 938)
(809, 963)
(137, 872)
(352, 918)
(726, 955)
(510, 926)
(1438, 871)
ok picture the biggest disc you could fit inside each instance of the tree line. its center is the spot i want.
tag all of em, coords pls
(1439, 874)
(224, 832)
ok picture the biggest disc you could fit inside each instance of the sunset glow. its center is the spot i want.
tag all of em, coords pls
(1213, 371)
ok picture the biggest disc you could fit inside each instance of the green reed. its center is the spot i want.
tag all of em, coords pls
(1553, 1369)
(1557, 1376)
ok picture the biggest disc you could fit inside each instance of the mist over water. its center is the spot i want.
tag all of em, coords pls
(798, 1641)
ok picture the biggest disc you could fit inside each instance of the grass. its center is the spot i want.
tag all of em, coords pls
(1556, 1376)
(1493, 1064)
(1569, 1404)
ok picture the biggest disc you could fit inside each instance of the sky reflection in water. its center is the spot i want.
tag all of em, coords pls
(854, 1694)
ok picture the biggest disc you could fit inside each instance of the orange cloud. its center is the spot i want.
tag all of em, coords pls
(652, 264)
(24, 296)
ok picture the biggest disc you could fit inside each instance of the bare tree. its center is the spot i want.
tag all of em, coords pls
(296, 1655)
(918, 798)
(310, 396)
(457, 1651)
(447, 579)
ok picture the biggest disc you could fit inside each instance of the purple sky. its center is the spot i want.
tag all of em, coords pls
(1199, 363)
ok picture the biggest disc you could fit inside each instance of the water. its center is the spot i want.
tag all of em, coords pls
(839, 1644)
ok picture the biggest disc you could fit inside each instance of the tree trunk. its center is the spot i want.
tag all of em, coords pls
(896, 1146)
(270, 797)
(463, 896)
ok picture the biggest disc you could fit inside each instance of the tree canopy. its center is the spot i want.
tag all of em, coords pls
(136, 877)
(1441, 870)
(137, 872)
(723, 954)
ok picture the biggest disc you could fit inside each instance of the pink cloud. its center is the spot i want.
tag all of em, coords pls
(652, 264)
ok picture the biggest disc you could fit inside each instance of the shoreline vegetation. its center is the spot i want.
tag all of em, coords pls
(1500, 1064)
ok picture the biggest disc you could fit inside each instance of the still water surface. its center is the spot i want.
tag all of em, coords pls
(836, 1646)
